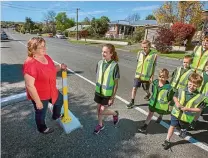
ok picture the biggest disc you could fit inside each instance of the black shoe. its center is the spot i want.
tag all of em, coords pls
(147, 97)
(183, 133)
(192, 125)
(47, 131)
(130, 105)
(60, 117)
(159, 119)
(143, 129)
(166, 145)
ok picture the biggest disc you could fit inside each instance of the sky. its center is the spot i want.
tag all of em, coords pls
(115, 10)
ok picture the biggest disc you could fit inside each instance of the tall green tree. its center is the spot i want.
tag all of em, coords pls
(29, 24)
(99, 26)
(63, 22)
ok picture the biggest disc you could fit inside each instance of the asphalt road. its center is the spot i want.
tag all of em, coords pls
(19, 135)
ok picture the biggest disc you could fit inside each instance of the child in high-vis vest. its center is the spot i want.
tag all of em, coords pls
(187, 103)
(159, 101)
(181, 74)
(203, 90)
(144, 72)
(107, 76)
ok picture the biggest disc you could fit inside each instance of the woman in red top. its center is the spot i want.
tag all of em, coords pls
(40, 81)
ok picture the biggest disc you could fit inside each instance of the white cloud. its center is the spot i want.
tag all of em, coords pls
(146, 8)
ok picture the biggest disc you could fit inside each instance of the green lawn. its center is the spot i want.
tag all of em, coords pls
(92, 43)
(173, 54)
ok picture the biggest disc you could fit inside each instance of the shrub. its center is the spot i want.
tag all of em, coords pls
(163, 41)
(182, 32)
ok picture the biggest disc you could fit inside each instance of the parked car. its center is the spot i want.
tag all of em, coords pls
(50, 35)
(38, 34)
(4, 36)
(60, 36)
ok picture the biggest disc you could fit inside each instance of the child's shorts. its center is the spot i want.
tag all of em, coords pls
(101, 100)
(175, 122)
(139, 83)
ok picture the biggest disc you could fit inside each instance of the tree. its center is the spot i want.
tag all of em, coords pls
(29, 24)
(190, 12)
(150, 17)
(163, 41)
(182, 32)
(99, 26)
(132, 18)
(167, 13)
(184, 11)
(49, 19)
(63, 22)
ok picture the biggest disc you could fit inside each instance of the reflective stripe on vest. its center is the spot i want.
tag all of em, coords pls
(199, 59)
(104, 80)
(145, 66)
(159, 100)
(183, 82)
(192, 103)
(176, 77)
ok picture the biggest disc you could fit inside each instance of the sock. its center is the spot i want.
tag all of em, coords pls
(132, 100)
(147, 122)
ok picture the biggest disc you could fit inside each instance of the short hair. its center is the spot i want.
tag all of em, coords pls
(146, 42)
(164, 71)
(205, 38)
(188, 57)
(33, 44)
(196, 79)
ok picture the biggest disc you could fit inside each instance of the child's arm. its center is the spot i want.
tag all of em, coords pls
(191, 109)
(115, 89)
(178, 105)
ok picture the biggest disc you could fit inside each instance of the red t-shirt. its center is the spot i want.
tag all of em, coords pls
(45, 78)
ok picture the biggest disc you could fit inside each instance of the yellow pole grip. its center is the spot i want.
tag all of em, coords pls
(66, 118)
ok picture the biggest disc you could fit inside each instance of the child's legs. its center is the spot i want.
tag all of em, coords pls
(149, 117)
(146, 86)
(170, 132)
(103, 110)
(174, 122)
(137, 83)
(133, 92)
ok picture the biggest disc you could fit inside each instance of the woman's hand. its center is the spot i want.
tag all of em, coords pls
(39, 105)
(111, 101)
(63, 67)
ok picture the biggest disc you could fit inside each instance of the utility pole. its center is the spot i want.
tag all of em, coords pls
(77, 24)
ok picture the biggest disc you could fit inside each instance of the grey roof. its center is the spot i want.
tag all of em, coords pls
(80, 28)
(135, 23)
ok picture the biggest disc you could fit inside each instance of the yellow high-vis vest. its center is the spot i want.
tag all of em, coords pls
(200, 59)
(104, 80)
(145, 66)
(194, 102)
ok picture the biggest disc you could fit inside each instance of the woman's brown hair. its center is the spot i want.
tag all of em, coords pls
(112, 51)
(33, 44)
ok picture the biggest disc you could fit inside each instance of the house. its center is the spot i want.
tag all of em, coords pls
(80, 28)
(121, 28)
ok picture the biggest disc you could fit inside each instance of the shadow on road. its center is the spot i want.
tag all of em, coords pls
(20, 137)
(5, 47)
(11, 73)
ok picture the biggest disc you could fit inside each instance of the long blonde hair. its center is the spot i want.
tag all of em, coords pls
(33, 44)
(111, 47)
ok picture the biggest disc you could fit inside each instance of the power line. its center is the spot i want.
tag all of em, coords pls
(31, 8)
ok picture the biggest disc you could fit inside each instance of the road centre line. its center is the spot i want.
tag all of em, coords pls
(164, 124)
